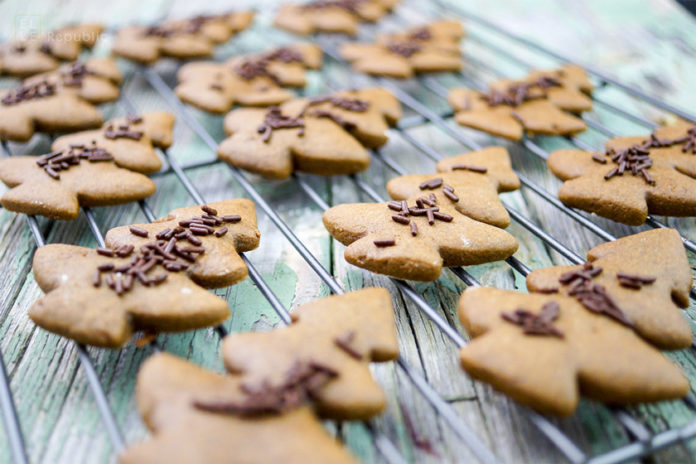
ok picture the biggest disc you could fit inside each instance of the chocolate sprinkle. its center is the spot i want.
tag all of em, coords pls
(401, 219)
(593, 297)
(123, 131)
(233, 218)
(636, 160)
(516, 94)
(468, 167)
(62, 160)
(345, 341)
(139, 231)
(431, 184)
(274, 120)
(26, 92)
(302, 382)
(167, 251)
(536, 324)
(405, 49)
(634, 281)
(385, 242)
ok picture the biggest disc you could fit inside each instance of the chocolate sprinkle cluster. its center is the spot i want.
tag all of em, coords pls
(169, 250)
(74, 74)
(258, 67)
(124, 131)
(516, 94)
(26, 92)
(425, 206)
(63, 160)
(302, 382)
(192, 26)
(274, 119)
(593, 297)
(536, 324)
(405, 48)
(420, 34)
(636, 158)
(634, 281)
(410, 45)
(348, 5)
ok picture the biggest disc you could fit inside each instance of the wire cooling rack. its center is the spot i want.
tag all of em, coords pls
(643, 441)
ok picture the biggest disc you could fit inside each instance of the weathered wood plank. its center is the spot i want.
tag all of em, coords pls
(648, 47)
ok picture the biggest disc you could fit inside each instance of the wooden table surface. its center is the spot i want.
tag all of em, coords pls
(649, 44)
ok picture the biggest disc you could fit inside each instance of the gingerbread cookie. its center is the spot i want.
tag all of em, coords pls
(181, 38)
(320, 135)
(168, 391)
(339, 16)
(540, 104)
(37, 55)
(546, 350)
(249, 80)
(144, 278)
(640, 280)
(338, 335)
(477, 177)
(430, 48)
(427, 229)
(222, 229)
(636, 176)
(59, 101)
(93, 168)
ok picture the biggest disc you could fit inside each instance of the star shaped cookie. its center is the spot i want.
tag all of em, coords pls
(430, 48)
(333, 16)
(542, 103)
(59, 101)
(257, 79)
(429, 226)
(37, 55)
(641, 280)
(320, 135)
(149, 277)
(92, 168)
(167, 390)
(636, 176)
(181, 38)
(546, 350)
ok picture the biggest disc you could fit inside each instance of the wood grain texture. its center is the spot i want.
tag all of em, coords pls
(650, 46)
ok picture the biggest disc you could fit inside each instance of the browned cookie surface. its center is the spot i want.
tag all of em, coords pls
(59, 101)
(541, 103)
(337, 16)
(24, 58)
(433, 47)
(436, 220)
(92, 168)
(258, 79)
(149, 277)
(547, 350)
(641, 280)
(180, 38)
(320, 135)
(636, 176)
(336, 337)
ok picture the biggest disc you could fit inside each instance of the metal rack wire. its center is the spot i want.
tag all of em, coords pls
(644, 442)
